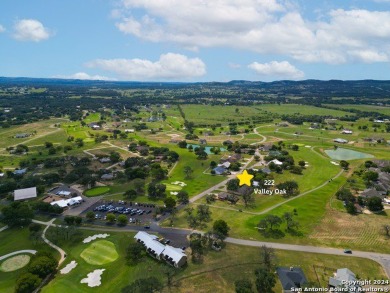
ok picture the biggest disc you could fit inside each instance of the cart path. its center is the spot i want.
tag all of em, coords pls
(18, 252)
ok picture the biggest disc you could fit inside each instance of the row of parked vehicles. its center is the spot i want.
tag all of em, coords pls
(121, 210)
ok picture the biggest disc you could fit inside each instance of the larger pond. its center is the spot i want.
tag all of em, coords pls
(346, 154)
(207, 149)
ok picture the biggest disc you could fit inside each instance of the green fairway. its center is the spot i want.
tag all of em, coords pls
(96, 191)
(100, 252)
(15, 263)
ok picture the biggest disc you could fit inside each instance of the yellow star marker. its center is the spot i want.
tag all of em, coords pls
(245, 178)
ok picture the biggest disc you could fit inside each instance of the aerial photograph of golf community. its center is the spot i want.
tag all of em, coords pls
(201, 146)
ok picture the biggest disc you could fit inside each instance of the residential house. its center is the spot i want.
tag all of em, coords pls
(343, 280)
(109, 176)
(283, 124)
(94, 125)
(25, 193)
(105, 160)
(347, 131)
(340, 140)
(202, 141)
(266, 170)
(20, 171)
(371, 192)
(265, 148)
(245, 190)
(276, 162)
(129, 130)
(220, 170)
(292, 279)
(22, 135)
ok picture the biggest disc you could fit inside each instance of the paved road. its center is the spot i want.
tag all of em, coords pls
(382, 259)
(3, 228)
(18, 252)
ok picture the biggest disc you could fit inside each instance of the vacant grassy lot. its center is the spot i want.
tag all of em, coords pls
(96, 191)
(290, 109)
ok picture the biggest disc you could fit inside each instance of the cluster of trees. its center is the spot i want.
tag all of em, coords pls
(198, 218)
(270, 224)
(41, 265)
(265, 277)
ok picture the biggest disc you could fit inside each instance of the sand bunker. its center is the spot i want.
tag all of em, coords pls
(182, 184)
(334, 163)
(174, 192)
(307, 146)
(70, 266)
(94, 237)
(94, 278)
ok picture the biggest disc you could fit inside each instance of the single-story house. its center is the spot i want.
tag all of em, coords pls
(341, 277)
(94, 125)
(274, 153)
(25, 193)
(266, 170)
(371, 192)
(346, 131)
(340, 140)
(22, 135)
(109, 176)
(202, 141)
(245, 190)
(220, 170)
(226, 165)
(265, 148)
(291, 278)
(276, 162)
(20, 171)
(105, 160)
(129, 130)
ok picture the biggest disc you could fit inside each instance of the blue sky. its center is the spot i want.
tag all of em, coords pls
(195, 40)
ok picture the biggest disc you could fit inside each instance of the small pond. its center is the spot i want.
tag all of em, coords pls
(346, 154)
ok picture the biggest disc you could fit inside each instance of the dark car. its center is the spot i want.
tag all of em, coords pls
(147, 227)
(348, 251)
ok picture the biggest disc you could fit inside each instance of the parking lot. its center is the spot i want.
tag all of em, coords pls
(137, 213)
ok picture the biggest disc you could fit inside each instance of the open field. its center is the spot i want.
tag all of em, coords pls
(291, 109)
(366, 108)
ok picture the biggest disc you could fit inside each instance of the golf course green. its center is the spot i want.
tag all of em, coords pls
(100, 252)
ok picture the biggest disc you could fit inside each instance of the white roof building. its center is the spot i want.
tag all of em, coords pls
(68, 202)
(276, 162)
(225, 165)
(172, 255)
(342, 278)
(26, 193)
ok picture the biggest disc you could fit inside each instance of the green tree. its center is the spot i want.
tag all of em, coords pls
(134, 252)
(351, 209)
(17, 214)
(170, 203)
(90, 216)
(374, 204)
(243, 286)
(265, 280)
(122, 220)
(130, 194)
(139, 185)
(221, 228)
(344, 164)
(268, 257)
(110, 218)
(182, 197)
(370, 176)
(188, 172)
(274, 221)
(42, 266)
(232, 184)
(27, 283)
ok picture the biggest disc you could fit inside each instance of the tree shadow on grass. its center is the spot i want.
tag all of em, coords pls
(294, 232)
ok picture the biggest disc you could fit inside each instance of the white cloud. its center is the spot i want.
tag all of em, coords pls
(262, 26)
(169, 66)
(30, 30)
(84, 76)
(281, 69)
(2, 28)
